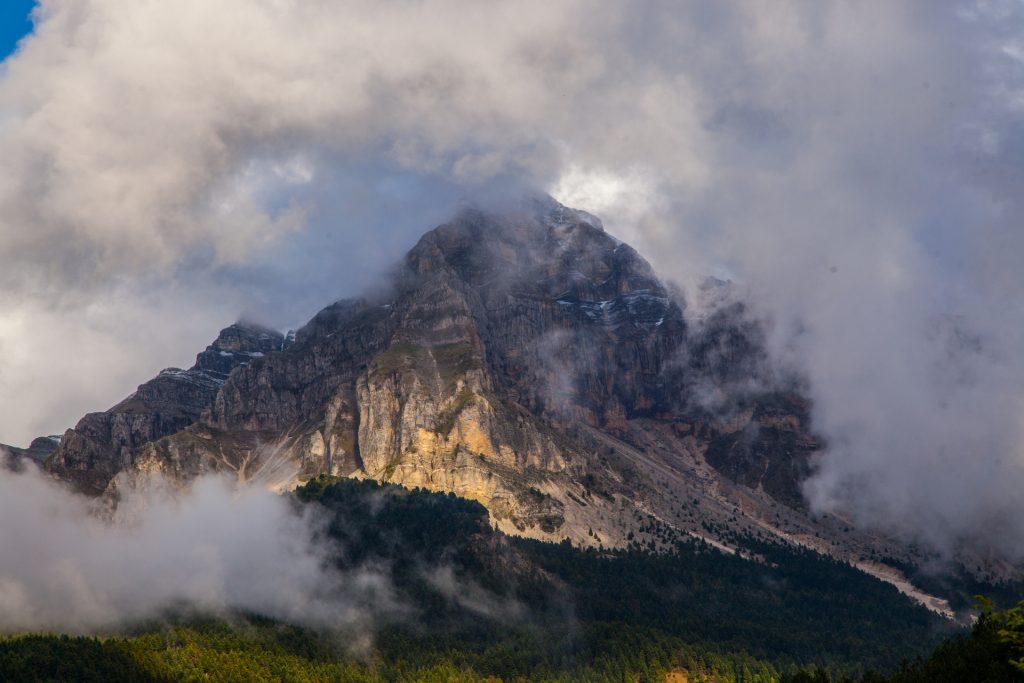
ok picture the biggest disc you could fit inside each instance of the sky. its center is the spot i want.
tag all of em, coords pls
(166, 168)
(15, 23)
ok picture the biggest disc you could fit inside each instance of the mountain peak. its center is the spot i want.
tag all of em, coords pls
(541, 248)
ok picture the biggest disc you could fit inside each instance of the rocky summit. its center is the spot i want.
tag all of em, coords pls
(525, 359)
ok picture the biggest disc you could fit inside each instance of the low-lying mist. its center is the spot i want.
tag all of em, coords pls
(214, 550)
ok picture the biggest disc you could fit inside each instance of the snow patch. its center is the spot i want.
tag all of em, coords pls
(642, 308)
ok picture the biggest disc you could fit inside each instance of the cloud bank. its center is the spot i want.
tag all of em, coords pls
(214, 550)
(855, 165)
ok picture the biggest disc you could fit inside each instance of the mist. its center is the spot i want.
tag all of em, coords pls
(855, 167)
(214, 550)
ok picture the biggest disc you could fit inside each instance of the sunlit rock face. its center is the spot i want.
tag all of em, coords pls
(525, 359)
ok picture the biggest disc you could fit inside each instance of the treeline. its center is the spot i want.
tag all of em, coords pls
(992, 653)
(256, 652)
(259, 650)
(791, 607)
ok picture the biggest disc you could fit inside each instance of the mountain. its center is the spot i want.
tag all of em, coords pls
(524, 359)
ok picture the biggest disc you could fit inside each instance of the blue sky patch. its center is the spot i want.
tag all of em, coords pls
(14, 24)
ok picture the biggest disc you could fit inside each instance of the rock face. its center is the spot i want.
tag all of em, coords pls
(38, 451)
(103, 444)
(527, 360)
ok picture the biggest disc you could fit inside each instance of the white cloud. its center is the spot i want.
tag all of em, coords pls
(213, 549)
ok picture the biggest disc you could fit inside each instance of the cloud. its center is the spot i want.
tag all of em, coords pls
(860, 193)
(231, 158)
(474, 598)
(856, 166)
(215, 550)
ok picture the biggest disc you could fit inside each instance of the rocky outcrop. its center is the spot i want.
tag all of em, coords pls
(770, 449)
(103, 444)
